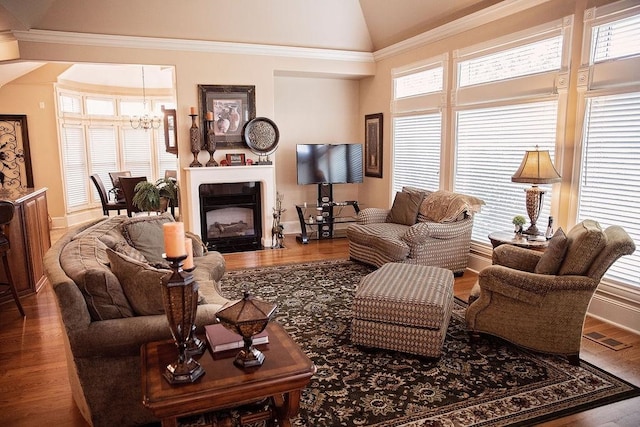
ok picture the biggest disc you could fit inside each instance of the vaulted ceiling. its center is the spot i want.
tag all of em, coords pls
(351, 25)
(357, 25)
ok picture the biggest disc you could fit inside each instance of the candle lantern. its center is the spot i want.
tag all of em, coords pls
(196, 143)
(211, 142)
(247, 317)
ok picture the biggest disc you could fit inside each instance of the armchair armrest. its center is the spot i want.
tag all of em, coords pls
(515, 257)
(372, 216)
(530, 288)
(420, 232)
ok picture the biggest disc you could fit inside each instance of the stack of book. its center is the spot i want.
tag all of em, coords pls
(222, 339)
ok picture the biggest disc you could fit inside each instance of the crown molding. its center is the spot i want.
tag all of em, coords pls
(135, 42)
(500, 10)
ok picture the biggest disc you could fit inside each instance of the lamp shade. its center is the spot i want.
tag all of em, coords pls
(536, 168)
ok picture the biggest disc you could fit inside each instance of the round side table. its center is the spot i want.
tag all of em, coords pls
(498, 238)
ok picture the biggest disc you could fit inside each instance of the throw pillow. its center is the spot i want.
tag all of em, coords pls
(405, 208)
(585, 241)
(552, 258)
(145, 234)
(141, 283)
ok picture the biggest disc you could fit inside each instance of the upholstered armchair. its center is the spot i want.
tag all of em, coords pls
(422, 227)
(539, 300)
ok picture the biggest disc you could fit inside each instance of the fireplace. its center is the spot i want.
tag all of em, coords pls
(197, 176)
(231, 216)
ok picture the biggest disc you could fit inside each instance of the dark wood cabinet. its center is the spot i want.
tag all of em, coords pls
(28, 234)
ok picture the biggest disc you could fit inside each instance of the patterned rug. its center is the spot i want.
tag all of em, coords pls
(485, 383)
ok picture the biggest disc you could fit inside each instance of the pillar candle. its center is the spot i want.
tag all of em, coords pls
(188, 246)
(210, 115)
(192, 110)
(174, 239)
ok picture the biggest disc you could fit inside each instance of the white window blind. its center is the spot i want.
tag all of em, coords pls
(610, 177)
(416, 151)
(100, 107)
(70, 104)
(422, 82)
(103, 155)
(137, 152)
(537, 57)
(491, 143)
(616, 39)
(75, 166)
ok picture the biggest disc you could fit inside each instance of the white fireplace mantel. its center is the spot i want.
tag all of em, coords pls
(265, 174)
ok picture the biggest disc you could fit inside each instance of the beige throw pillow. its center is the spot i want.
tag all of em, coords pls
(141, 283)
(552, 258)
(405, 208)
(585, 241)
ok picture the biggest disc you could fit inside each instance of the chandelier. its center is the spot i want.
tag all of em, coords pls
(145, 121)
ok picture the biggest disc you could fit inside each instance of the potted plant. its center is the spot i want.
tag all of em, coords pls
(168, 189)
(518, 221)
(146, 197)
(155, 197)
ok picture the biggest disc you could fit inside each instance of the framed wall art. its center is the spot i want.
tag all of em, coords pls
(373, 145)
(15, 157)
(232, 107)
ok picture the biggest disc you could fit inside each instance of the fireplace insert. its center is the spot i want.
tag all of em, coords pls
(231, 216)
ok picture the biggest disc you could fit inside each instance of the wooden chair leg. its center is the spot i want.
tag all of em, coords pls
(12, 286)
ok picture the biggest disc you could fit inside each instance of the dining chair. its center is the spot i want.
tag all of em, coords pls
(128, 185)
(104, 197)
(115, 181)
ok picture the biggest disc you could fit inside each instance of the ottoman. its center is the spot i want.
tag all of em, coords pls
(403, 307)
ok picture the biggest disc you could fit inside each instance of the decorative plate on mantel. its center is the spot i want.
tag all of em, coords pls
(261, 135)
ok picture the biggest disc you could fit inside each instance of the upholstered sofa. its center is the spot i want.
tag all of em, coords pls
(540, 300)
(422, 227)
(109, 295)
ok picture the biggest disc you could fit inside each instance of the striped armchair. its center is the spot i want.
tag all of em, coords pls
(422, 227)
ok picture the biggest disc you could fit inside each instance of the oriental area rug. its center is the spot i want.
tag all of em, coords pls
(483, 383)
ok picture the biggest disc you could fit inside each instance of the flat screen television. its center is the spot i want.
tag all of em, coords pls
(329, 163)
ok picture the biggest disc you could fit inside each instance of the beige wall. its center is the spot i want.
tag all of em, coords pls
(331, 103)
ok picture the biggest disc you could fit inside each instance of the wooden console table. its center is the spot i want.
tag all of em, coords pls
(285, 372)
(29, 237)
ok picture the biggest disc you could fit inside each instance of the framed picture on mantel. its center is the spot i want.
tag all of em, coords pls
(231, 107)
(373, 145)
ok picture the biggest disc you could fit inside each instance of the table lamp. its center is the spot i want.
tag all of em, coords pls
(536, 168)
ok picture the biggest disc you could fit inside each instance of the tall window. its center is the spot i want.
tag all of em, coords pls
(96, 138)
(609, 169)
(505, 105)
(417, 125)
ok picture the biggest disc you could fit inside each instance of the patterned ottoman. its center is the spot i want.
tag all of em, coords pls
(403, 307)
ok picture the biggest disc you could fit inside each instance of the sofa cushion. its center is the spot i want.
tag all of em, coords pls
(383, 237)
(85, 261)
(447, 206)
(584, 243)
(141, 283)
(405, 208)
(145, 233)
(552, 258)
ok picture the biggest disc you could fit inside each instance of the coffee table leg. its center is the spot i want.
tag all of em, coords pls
(287, 406)
(170, 422)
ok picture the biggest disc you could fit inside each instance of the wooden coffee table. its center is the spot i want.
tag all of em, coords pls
(285, 372)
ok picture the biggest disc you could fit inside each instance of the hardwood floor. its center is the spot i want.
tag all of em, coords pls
(35, 389)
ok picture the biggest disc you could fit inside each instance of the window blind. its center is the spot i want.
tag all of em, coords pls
(103, 155)
(137, 152)
(419, 83)
(491, 143)
(416, 151)
(75, 166)
(610, 176)
(537, 57)
(616, 39)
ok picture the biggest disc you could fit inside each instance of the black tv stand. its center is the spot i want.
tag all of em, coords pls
(317, 221)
